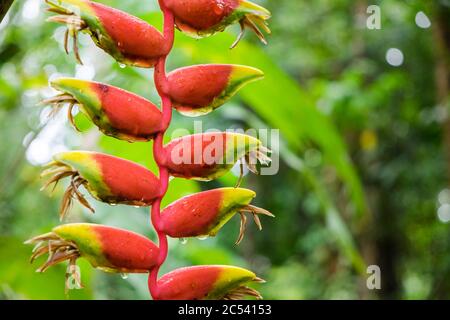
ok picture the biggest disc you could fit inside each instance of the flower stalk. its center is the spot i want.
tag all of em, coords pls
(161, 83)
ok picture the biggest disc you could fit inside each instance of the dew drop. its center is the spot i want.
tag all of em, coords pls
(124, 275)
(183, 240)
(113, 204)
(137, 207)
(122, 66)
(201, 238)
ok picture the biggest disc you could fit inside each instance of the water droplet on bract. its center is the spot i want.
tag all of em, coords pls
(124, 275)
(137, 207)
(201, 238)
(183, 240)
(122, 66)
(113, 204)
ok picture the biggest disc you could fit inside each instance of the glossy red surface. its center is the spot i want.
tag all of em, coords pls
(197, 86)
(192, 215)
(201, 14)
(127, 180)
(125, 249)
(135, 38)
(196, 155)
(191, 283)
(127, 112)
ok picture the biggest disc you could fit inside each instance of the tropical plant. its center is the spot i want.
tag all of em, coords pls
(192, 91)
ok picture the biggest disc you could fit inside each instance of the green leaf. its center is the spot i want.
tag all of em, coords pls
(278, 99)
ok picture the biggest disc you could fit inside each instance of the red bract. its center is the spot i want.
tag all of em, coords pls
(106, 248)
(198, 90)
(201, 18)
(116, 112)
(109, 179)
(207, 283)
(126, 38)
(205, 213)
(208, 156)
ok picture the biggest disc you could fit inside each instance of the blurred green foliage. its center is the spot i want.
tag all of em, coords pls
(362, 154)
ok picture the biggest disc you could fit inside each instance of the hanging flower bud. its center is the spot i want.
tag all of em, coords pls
(116, 112)
(126, 38)
(208, 156)
(202, 18)
(205, 213)
(207, 283)
(198, 90)
(109, 179)
(106, 248)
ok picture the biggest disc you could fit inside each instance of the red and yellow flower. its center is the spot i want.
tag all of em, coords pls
(107, 178)
(126, 38)
(198, 90)
(106, 248)
(116, 112)
(202, 18)
(205, 213)
(207, 283)
(208, 156)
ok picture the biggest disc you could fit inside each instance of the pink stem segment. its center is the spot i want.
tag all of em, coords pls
(158, 149)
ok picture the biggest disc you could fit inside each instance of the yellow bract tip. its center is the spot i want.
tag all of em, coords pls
(254, 9)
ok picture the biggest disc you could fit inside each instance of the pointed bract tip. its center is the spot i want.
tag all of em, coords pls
(64, 83)
(254, 9)
(243, 193)
(246, 73)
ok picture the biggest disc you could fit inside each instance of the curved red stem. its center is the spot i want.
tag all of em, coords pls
(158, 149)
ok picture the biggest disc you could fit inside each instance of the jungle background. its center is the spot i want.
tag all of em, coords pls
(364, 152)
